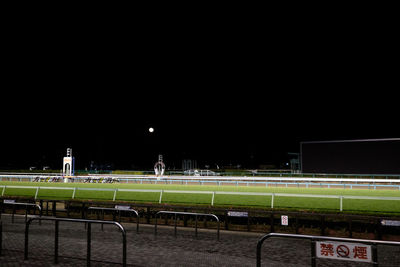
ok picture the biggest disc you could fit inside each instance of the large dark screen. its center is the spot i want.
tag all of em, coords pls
(353, 157)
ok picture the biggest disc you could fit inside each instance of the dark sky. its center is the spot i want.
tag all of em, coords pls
(217, 90)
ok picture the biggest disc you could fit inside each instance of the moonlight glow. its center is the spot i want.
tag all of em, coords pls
(151, 129)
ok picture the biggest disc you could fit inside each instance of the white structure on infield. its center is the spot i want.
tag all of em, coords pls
(159, 167)
(68, 165)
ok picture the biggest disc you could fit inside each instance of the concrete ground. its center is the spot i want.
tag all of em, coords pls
(146, 249)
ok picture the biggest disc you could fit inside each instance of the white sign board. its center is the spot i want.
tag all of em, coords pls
(238, 213)
(122, 207)
(343, 251)
(285, 220)
(390, 223)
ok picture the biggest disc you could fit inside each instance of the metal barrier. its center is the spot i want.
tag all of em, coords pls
(119, 214)
(374, 243)
(186, 213)
(89, 236)
(1, 236)
(22, 204)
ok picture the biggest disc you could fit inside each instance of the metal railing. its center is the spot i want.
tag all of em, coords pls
(1, 236)
(119, 210)
(187, 213)
(89, 236)
(26, 208)
(313, 239)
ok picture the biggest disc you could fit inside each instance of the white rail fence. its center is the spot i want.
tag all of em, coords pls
(212, 194)
(133, 178)
(238, 181)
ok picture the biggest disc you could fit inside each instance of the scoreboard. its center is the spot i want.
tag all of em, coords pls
(362, 156)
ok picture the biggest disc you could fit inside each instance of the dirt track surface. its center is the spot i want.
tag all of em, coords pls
(146, 249)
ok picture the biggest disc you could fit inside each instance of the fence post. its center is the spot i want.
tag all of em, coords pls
(341, 203)
(350, 228)
(124, 248)
(272, 200)
(26, 212)
(26, 240)
(322, 225)
(73, 193)
(12, 216)
(226, 220)
(378, 229)
(89, 239)
(258, 255)
(41, 207)
(195, 226)
(155, 227)
(272, 223)
(313, 263)
(161, 192)
(56, 243)
(37, 191)
(148, 215)
(218, 225)
(248, 221)
(374, 255)
(175, 224)
(83, 210)
(115, 194)
(1, 236)
(185, 218)
(54, 209)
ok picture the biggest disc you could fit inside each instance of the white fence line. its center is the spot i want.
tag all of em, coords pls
(312, 182)
(265, 178)
(212, 193)
(5, 177)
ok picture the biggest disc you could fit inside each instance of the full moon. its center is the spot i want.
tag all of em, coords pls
(151, 129)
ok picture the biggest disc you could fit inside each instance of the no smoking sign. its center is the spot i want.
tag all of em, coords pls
(343, 251)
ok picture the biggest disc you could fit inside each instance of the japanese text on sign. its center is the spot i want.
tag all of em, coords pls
(285, 220)
(343, 251)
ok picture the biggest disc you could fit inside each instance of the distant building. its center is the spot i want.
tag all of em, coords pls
(267, 166)
(189, 164)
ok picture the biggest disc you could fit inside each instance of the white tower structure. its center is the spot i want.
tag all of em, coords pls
(68, 165)
(159, 167)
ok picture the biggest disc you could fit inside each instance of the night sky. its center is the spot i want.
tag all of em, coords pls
(220, 93)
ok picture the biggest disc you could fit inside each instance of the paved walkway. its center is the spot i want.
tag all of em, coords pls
(146, 249)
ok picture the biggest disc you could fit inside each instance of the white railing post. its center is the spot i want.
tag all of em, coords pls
(161, 192)
(37, 191)
(272, 200)
(341, 203)
(115, 193)
(73, 193)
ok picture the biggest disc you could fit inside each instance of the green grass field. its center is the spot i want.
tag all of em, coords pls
(281, 202)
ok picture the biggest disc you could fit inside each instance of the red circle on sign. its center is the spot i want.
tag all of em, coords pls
(343, 251)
